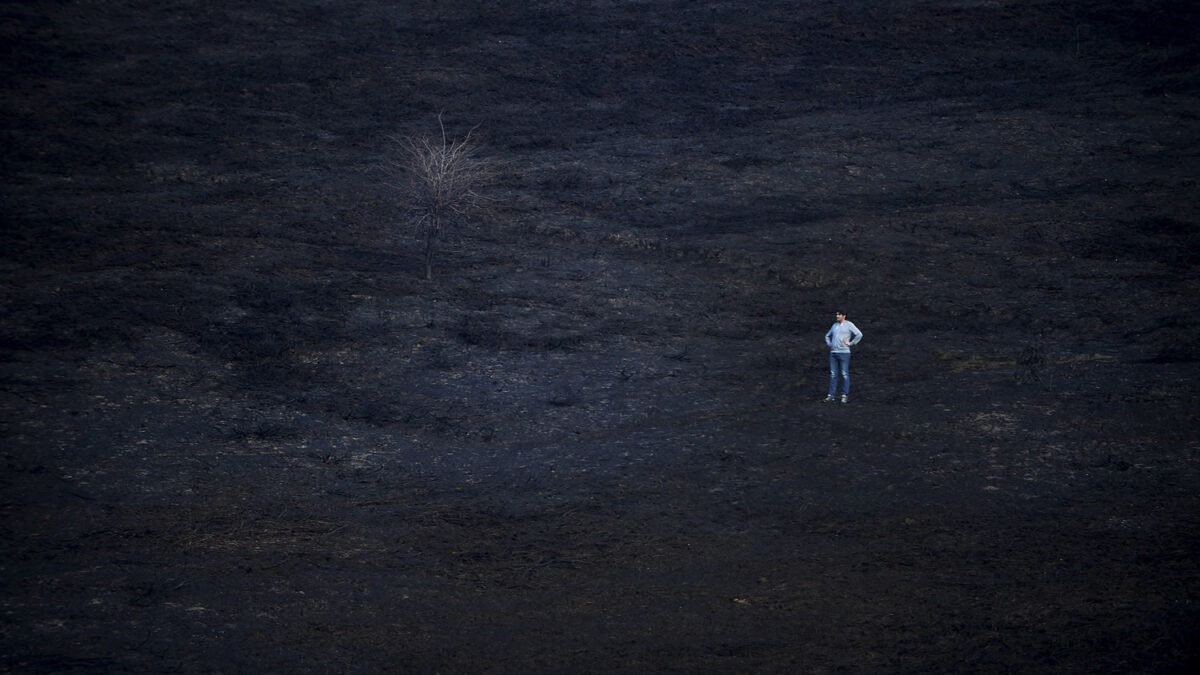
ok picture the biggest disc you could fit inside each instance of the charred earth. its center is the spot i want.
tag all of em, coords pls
(241, 432)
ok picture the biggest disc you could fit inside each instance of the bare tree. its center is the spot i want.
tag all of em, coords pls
(440, 180)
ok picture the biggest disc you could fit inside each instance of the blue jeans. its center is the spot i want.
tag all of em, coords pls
(839, 361)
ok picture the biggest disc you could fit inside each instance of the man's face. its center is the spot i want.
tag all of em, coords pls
(840, 317)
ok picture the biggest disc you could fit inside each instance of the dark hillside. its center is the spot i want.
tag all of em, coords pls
(240, 432)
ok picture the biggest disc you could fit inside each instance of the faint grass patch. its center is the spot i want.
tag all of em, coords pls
(992, 423)
(959, 362)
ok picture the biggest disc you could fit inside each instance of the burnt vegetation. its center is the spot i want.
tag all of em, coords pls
(243, 430)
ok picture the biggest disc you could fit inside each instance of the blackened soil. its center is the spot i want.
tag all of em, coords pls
(242, 434)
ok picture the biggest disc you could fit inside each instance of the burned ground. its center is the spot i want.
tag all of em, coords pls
(241, 433)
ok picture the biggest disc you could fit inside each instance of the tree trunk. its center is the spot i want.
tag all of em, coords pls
(430, 236)
(429, 257)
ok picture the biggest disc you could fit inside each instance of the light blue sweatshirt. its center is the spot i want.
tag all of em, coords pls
(837, 336)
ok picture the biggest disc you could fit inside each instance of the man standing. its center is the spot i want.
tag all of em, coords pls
(840, 339)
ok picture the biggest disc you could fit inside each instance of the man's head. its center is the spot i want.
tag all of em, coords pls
(841, 316)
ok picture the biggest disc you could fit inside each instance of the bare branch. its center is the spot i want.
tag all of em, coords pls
(441, 182)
